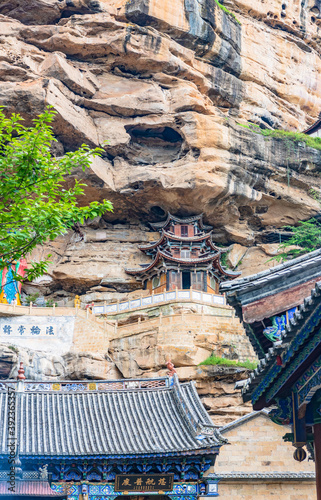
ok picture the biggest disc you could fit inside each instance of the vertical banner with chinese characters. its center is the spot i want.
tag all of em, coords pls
(144, 482)
(14, 330)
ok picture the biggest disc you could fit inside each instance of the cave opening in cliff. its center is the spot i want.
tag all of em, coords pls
(150, 145)
(157, 211)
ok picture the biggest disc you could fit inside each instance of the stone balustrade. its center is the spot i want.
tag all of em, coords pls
(160, 298)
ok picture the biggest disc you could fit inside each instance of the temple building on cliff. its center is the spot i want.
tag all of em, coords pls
(184, 257)
(100, 440)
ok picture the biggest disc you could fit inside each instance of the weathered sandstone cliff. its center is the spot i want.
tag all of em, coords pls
(163, 86)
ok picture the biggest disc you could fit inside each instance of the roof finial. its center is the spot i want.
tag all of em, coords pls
(21, 372)
(171, 368)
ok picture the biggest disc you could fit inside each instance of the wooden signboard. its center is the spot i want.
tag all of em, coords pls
(144, 482)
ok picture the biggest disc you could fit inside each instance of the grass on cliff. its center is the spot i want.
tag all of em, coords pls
(306, 237)
(311, 142)
(227, 11)
(215, 360)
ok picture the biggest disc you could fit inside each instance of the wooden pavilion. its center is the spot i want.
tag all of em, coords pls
(184, 257)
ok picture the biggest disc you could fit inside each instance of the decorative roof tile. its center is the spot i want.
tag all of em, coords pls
(32, 489)
(290, 345)
(245, 418)
(184, 220)
(275, 279)
(155, 421)
(263, 476)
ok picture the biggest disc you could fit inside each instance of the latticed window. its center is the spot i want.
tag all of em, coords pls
(213, 284)
(185, 254)
(197, 280)
(174, 280)
(184, 231)
(156, 282)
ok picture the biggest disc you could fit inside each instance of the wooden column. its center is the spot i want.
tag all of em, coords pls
(317, 452)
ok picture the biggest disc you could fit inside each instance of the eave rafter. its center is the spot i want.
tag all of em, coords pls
(186, 220)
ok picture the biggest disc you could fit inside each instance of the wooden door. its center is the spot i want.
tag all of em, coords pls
(197, 280)
(174, 280)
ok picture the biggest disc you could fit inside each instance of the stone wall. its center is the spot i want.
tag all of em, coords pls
(57, 333)
(258, 441)
(92, 337)
(41, 333)
(186, 339)
(141, 347)
(256, 447)
(77, 347)
(266, 490)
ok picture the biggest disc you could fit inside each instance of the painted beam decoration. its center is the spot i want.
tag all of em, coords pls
(180, 491)
(274, 332)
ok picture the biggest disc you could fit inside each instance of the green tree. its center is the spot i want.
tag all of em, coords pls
(35, 204)
(306, 236)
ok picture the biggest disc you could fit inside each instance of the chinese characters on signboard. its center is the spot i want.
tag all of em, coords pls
(14, 330)
(152, 482)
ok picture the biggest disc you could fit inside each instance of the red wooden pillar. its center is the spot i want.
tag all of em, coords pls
(317, 453)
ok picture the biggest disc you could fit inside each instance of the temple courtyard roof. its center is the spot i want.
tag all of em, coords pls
(108, 418)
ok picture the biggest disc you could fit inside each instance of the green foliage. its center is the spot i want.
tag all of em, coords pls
(311, 142)
(224, 259)
(307, 236)
(289, 138)
(31, 298)
(51, 303)
(215, 360)
(35, 203)
(227, 11)
(13, 348)
(316, 195)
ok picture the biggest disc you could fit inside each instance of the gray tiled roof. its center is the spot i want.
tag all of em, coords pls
(180, 220)
(263, 476)
(30, 489)
(274, 280)
(298, 321)
(110, 423)
(243, 419)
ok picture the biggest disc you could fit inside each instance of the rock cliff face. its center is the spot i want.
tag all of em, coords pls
(166, 84)
(163, 86)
